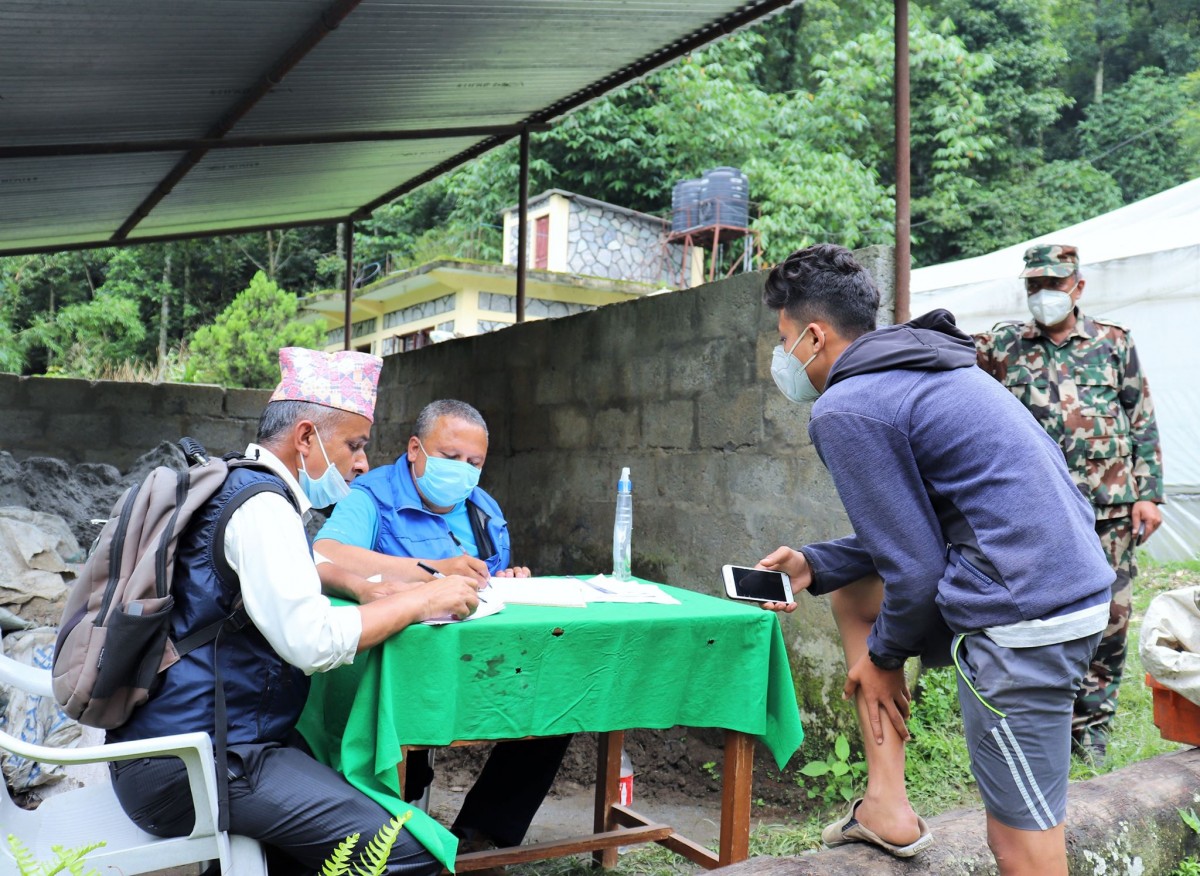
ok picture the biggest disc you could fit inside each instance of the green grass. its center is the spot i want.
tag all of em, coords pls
(938, 768)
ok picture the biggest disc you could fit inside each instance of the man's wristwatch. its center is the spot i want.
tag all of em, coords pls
(888, 663)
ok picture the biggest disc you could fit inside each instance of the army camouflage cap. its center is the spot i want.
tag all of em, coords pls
(1050, 260)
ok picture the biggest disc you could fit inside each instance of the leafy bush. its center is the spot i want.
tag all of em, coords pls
(841, 774)
(937, 765)
(81, 339)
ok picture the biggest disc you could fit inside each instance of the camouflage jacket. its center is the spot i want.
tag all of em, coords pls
(1090, 395)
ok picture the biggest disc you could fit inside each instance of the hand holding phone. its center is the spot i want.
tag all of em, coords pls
(756, 585)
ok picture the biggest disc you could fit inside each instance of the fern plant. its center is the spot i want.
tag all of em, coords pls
(67, 860)
(372, 860)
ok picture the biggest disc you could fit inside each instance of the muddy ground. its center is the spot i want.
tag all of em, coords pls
(679, 767)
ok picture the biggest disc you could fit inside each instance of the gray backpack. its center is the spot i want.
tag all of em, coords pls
(113, 643)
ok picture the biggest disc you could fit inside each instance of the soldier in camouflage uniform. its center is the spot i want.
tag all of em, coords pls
(1080, 378)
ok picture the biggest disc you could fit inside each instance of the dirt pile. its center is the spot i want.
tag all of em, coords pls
(78, 494)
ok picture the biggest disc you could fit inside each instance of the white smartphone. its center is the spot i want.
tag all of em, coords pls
(756, 585)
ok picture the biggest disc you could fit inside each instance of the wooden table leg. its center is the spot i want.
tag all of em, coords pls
(608, 774)
(736, 779)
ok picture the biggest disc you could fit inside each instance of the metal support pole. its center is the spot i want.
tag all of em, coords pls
(523, 224)
(903, 177)
(349, 226)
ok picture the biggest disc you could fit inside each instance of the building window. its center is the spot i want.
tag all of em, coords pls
(365, 348)
(423, 310)
(335, 336)
(405, 343)
(363, 327)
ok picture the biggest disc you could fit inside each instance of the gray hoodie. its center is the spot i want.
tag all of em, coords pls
(958, 498)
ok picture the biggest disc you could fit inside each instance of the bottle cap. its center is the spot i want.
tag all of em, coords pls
(625, 485)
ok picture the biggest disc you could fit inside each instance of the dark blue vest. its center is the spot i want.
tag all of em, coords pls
(264, 694)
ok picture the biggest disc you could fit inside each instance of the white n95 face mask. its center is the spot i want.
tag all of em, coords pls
(791, 376)
(1050, 306)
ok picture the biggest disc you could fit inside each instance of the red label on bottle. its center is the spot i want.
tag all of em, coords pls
(625, 790)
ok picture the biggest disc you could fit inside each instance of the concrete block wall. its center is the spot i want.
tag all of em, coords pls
(111, 422)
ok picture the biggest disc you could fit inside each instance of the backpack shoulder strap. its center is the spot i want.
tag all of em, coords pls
(275, 485)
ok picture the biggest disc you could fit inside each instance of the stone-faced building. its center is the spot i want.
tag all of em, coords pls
(572, 234)
(583, 253)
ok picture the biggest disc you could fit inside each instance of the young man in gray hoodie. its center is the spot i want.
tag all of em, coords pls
(971, 546)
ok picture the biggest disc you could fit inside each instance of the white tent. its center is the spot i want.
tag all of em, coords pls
(1142, 266)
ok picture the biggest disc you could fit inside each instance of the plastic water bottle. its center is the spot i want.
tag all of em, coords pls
(623, 528)
(625, 787)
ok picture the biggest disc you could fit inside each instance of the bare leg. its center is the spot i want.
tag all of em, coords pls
(1027, 852)
(885, 808)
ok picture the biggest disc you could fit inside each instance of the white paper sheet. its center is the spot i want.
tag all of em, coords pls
(605, 588)
(567, 592)
(488, 605)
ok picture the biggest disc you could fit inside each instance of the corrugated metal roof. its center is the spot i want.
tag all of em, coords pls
(127, 87)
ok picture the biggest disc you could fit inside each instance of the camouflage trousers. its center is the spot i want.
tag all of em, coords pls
(1096, 702)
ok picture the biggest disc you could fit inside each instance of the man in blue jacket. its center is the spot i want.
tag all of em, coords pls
(971, 545)
(427, 509)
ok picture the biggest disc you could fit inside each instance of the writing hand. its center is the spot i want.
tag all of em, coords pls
(881, 689)
(454, 595)
(1145, 513)
(461, 564)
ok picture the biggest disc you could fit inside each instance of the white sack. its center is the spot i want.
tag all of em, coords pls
(1170, 641)
(33, 718)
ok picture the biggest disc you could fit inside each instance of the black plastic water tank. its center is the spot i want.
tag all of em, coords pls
(725, 198)
(685, 204)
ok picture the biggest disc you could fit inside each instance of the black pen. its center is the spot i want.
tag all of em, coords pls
(454, 538)
(436, 574)
(430, 569)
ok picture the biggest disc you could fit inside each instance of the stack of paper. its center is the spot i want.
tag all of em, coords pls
(605, 588)
(537, 591)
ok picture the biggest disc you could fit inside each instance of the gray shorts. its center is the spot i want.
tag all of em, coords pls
(1017, 705)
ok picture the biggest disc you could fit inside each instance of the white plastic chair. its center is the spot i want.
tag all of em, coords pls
(76, 818)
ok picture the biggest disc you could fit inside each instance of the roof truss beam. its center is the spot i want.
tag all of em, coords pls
(325, 24)
(203, 145)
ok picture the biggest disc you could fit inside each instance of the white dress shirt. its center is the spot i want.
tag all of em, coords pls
(266, 545)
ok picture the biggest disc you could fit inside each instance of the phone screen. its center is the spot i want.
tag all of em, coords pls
(759, 584)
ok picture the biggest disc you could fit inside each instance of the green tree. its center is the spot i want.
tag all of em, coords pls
(1133, 134)
(818, 156)
(1188, 125)
(1029, 203)
(89, 338)
(12, 358)
(241, 347)
(1022, 95)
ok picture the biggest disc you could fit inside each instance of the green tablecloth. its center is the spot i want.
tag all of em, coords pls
(534, 671)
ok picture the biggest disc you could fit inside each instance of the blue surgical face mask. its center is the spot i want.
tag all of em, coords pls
(446, 482)
(791, 376)
(329, 488)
